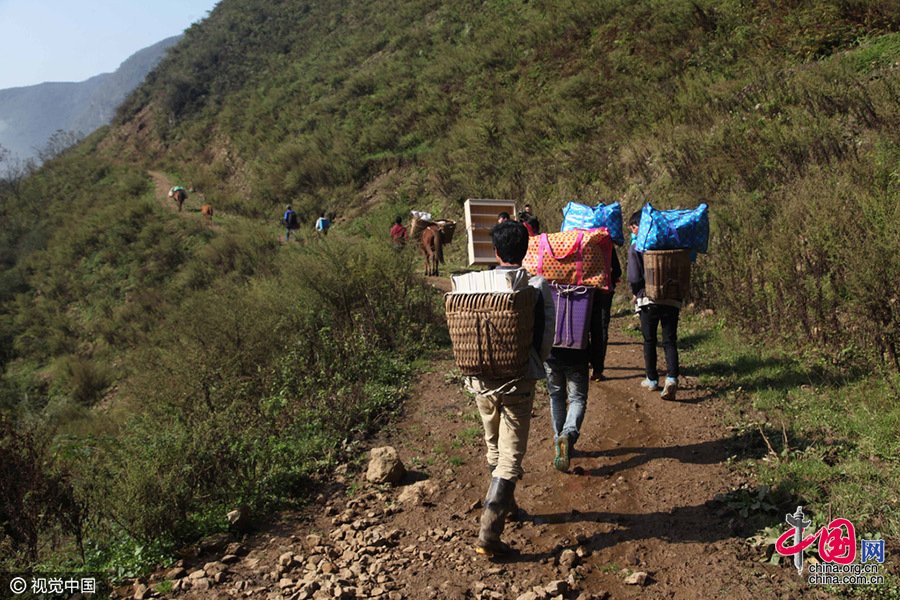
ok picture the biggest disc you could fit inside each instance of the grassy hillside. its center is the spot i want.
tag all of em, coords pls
(157, 371)
(782, 116)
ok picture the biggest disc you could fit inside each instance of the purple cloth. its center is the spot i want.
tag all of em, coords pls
(573, 315)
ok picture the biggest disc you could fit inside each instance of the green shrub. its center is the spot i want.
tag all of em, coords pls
(37, 495)
(84, 380)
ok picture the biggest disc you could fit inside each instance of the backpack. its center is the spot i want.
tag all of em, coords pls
(291, 220)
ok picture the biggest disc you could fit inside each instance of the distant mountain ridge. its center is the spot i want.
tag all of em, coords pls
(30, 115)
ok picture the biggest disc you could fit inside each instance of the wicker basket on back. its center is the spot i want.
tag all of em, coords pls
(491, 332)
(446, 227)
(417, 226)
(667, 274)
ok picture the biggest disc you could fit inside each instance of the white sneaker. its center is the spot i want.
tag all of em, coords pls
(670, 389)
(650, 384)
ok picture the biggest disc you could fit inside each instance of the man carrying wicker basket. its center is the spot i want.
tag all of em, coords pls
(512, 317)
(655, 311)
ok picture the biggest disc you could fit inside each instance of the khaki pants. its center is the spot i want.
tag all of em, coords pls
(506, 417)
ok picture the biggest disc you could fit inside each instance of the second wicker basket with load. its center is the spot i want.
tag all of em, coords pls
(446, 227)
(491, 332)
(667, 274)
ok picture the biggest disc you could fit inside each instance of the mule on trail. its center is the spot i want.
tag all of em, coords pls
(207, 211)
(432, 247)
(179, 196)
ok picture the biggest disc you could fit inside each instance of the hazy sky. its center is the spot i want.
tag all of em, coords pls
(72, 40)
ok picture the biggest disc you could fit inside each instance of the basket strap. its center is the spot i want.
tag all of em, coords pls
(478, 339)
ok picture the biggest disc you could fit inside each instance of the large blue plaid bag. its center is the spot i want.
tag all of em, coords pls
(580, 216)
(673, 229)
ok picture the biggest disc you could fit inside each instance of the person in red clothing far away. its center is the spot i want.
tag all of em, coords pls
(398, 233)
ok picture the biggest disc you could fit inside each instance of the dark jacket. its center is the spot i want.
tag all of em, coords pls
(616, 275)
(636, 280)
(636, 272)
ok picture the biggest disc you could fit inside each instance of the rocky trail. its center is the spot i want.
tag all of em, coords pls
(636, 517)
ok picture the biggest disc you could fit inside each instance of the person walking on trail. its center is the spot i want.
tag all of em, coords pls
(652, 315)
(290, 222)
(505, 405)
(601, 313)
(399, 234)
(322, 224)
(567, 385)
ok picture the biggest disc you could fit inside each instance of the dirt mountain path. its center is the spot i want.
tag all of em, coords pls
(162, 184)
(640, 498)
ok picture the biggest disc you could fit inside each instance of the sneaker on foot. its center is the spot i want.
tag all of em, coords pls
(598, 376)
(650, 384)
(670, 389)
(561, 460)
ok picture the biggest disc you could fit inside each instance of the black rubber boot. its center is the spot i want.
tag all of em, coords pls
(497, 506)
(515, 513)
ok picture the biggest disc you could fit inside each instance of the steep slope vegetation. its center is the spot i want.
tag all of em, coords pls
(782, 116)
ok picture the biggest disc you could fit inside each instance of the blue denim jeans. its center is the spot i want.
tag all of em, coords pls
(568, 389)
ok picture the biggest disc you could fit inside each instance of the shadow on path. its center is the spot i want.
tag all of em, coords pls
(687, 524)
(744, 446)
